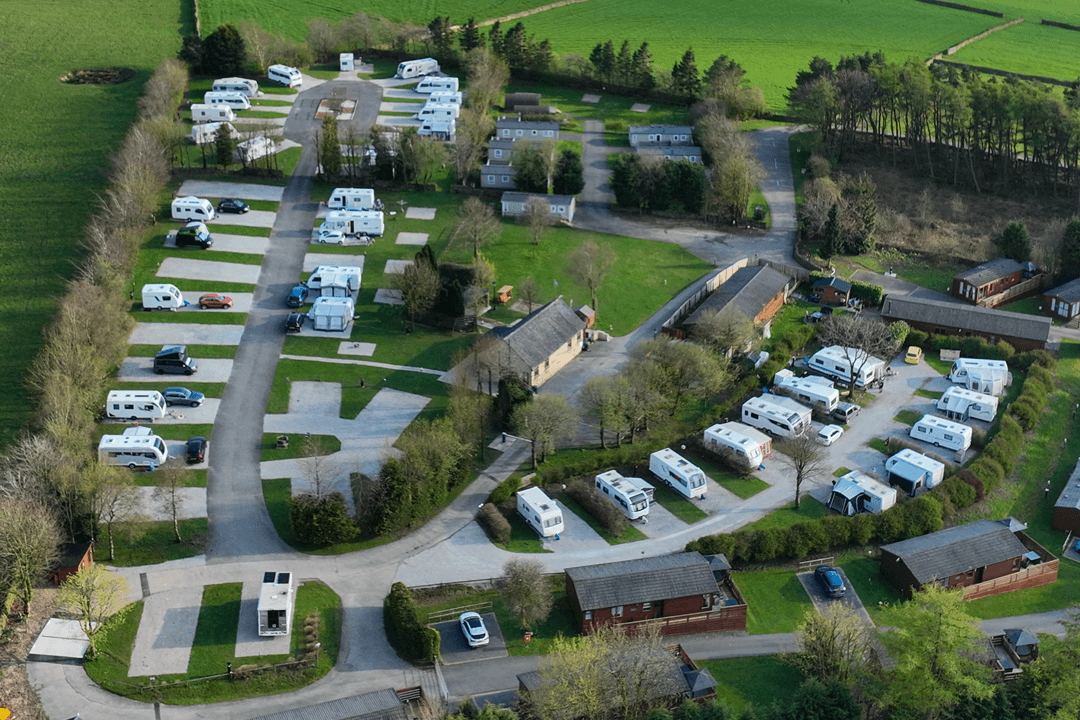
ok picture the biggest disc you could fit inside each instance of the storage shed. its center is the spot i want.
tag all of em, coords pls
(858, 492)
(1066, 517)
(277, 598)
(832, 290)
(1062, 302)
(913, 472)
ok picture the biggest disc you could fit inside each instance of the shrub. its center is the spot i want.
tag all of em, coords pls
(868, 293)
(978, 438)
(967, 477)
(321, 521)
(768, 544)
(1033, 358)
(504, 490)
(923, 515)
(900, 331)
(403, 629)
(1039, 374)
(837, 529)
(999, 452)
(495, 525)
(918, 337)
(889, 526)
(989, 471)
(806, 537)
(713, 545)
(862, 529)
(1025, 412)
(734, 461)
(742, 542)
(605, 512)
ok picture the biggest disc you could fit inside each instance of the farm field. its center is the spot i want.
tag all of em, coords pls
(1011, 49)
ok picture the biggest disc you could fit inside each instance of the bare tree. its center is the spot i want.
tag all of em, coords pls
(725, 331)
(679, 370)
(115, 503)
(356, 31)
(29, 545)
(472, 415)
(93, 595)
(322, 38)
(525, 590)
(804, 456)
(477, 224)
(169, 497)
(473, 130)
(546, 421)
(537, 217)
(859, 339)
(419, 285)
(486, 76)
(258, 44)
(528, 292)
(424, 155)
(833, 644)
(589, 264)
(606, 403)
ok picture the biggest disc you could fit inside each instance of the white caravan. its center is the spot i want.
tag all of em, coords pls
(812, 390)
(777, 415)
(237, 85)
(134, 451)
(201, 113)
(162, 296)
(437, 84)
(834, 362)
(286, 75)
(236, 101)
(633, 501)
(354, 222)
(193, 208)
(985, 376)
(417, 68)
(207, 133)
(961, 404)
(444, 97)
(540, 512)
(351, 199)
(346, 62)
(331, 314)
(439, 112)
(277, 598)
(679, 473)
(349, 274)
(912, 471)
(858, 492)
(255, 148)
(750, 444)
(146, 405)
(942, 433)
(438, 129)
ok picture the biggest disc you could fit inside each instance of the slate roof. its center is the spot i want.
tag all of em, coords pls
(983, 320)
(377, 705)
(841, 285)
(1070, 494)
(988, 272)
(72, 555)
(519, 197)
(516, 123)
(645, 580)
(660, 130)
(1069, 292)
(750, 289)
(957, 549)
(496, 169)
(535, 338)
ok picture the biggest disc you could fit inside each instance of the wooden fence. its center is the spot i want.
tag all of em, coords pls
(1030, 577)
(441, 615)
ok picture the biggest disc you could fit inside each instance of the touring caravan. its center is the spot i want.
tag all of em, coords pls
(540, 512)
(237, 85)
(679, 473)
(236, 101)
(207, 132)
(438, 129)
(285, 75)
(444, 97)
(193, 208)
(331, 314)
(812, 391)
(857, 492)
(162, 296)
(335, 274)
(146, 405)
(437, 84)
(417, 68)
(913, 472)
(255, 148)
(746, 442)
(985, 376)
(961, 404)
(217, 113)
(439, 112)
(134, 451)
(277, 598)
(346, 62)
(836, 362)
(777, 415)
(351, 199)
(354, 222)
(942, 433)
(633, 501)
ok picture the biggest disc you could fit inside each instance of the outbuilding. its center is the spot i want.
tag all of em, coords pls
(914, 472)
(858, 492)
(1066, 517)
(832, 290)
(1063, 302)
(331, 314)
(560, 207)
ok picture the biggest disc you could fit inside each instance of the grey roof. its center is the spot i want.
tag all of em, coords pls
(490, 169)
(670, 150)
(987, 321)
(516, 123)
(524, 197)
(377, 705)
(535, 338)
(841, 285)
(1019, 637)
(1070, 494)
(718, 562)
(700, 680)
(531, 680)
(584, 311)
(660, 130)
(72, 555)
(988, 272)
(750, 289)
(957, 549)
(1069, 292)
(645, 580)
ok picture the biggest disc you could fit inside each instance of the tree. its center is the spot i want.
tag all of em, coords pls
(736, 179)
(470, 37)
(224, 146)
(525, 590)
(322, 38)
(1070, 246)
(314, 464)
(419, 285)
(29, 545)
(93, 595)
(537, 217)
(169, 497)
(833, 241)
(859, 340)
(223, 51)
(528, 292)
(423, 155)
(328, 146)
(473, 130)
(477, 224)
(321, 521)
(1014, 242)
(588, 265)
(604, 400)
(442, 37)
(1056, 675)
(472, 414)
(192, 52)
(487, 75)
(679, 370)
(533, 163)
(685, 78)
(725, 331)
(115, 503)
(833, 644)
(805, 456)
(641, 74)
(545, 421)
(569, 174)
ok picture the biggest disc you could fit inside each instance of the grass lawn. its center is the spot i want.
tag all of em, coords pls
(329, 444)
(745, 683)
(742, 487)
(679, 505)
(209, 317)
(930, 394)
(523, 539)
(908, 417)
(154, 542)
(276, 494)
(879, 445)
(1028, 306)
(787, 516)
(864, 574)
(775, 600)
(630, 534)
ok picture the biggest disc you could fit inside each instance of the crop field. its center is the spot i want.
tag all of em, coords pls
(1010, 49)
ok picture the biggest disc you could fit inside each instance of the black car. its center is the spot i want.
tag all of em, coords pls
(830, 581)
(232, 205)
(194, 234)
(196, 449)
(297, 296)
(295, 322)
(182, 396)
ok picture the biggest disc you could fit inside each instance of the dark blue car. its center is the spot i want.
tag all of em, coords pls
(298, 296)
(830, 581)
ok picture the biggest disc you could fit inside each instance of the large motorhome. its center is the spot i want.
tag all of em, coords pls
(286, 75)
(540, 512)
(961, 404)
(812, 390)
(836, 362)
(986, 376)
(277, 599)
(417, 68)
(148, 405)
(677, 472)
(777, 415)
(632, 499)
(134, 451)
(746, 442)
(942, 433)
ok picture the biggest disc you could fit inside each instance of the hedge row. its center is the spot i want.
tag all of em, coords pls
(495, 525)
(1036, 391)
(607, 513)
(409, 638)
(504, 490)
(604, 459)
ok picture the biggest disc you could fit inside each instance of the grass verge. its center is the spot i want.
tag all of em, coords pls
(775, 600)
(630, 534)
(150, 543)
(753, 682)
(678, 505)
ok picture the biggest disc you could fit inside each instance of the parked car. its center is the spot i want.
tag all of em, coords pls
(332, 237)
(194, 234)
(845, 411)
(182, 396)
(914, 355)
(232, 205)
(295, 322)
(196, 449)
(472, 627)
(297, 296)
(830, 581)
(213, 300)
(829, 434)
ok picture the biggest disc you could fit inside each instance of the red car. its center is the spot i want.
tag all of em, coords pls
(213, 300)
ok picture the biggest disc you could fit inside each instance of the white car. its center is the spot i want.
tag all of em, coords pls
(332, 237)
(472, 627)
(829, 434)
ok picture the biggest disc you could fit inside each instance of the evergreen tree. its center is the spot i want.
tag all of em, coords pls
(603, 59)
(192, 52)
(540, 56)
(1070, 247)
(442, 37)
(495, 39)
(685, 79)
(624, 64)
(515, 47)
(723, 67)
(224, 52)
(1015, 242)
(224, 146)
(569, 174)
(642, 76)
(329, 150)
(833, 241)
(470, 37)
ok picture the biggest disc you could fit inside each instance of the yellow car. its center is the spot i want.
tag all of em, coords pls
(914, 355)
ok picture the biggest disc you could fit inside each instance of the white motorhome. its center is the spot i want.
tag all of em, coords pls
(277, 600)
(835, 362)
(354, 222)
(444, 97)
(134, 451)
(331, 314)
(679, 473)
(417, 68)
(777, 415)
(438, 112)
(633, 501)
(146, 405)
(237, 85)
(351, 199)
(437, 84)
(207, 133)
(540, 512)
(193, 208)
(349, 274)
(218, 113)
(985, 376)
(913, 472)
(162, 296)
(255, 148)
(942, 433)
(752, 445)
(346, 62)
(286, 75)
(235, 100)
(961, 404)
(812, 390)
(438, 129)
(858, 492)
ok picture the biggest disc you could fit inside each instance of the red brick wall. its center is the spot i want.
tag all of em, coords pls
(1067, 520)
(682, 606)
(830, 294)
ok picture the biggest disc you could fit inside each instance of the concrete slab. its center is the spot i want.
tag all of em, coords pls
(661, 522)
(363, 349)
(61, 639)
(411, 238)
(576, 536)
(186, 269)
(252, 218)
(141, 369)
(406, 93)
(314, 398)
(420, 213)
(313, 260)
(243, 244)
(160, 333)
(241, 303)
(269, 108)
(192, 503)
(248, 641)
(396, 267)
(167, 629)
(244, 191)
(384, 296)
(395, 121)
(260, 120)
(177, 456)
(592, 99)
(396, 107)
(640, 108)
(175, 415)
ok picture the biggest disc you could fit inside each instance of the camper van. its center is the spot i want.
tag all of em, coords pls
(633, 501)
(134, 451)
(857, 492)
(240, 85)
(277, 600)
(287, 76)
(236, 101)
(162, 296)
(777, 415)
(746, 442)
(833, 362)
(354, 222)
(985, 376)
(255, 148)
(540, 512)
(193, 208)
(942, 433)
(207, 133)
(812, 391)
(437, 84)
(961, 404)
(173, 359)
(146, 405)
(417, 68)
(331, 314)
(444, 97)
(679, 473)
(913, 472)
(351, 199)
(202, 113)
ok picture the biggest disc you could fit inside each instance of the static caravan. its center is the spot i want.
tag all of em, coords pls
(331, 314)
(812, 390)
(752, 445)
(286, 75)
(942, 433)
(207, 133)
(354, 222)
(633, 501)
(277, 598)
(540, 512)
(236, 101)
(417, 68)
(913, 472)
(438, 111)
(162, 296)
(255, 148)
(679, 473)
(438, 129)
(443, 97)
(437, 84)
(834, 362)
(985, 376)
(777, 415)
(146, 405)
(237, 85)
(858, 492)
(346, 62)
(134, 451)
(351, 199)
(217, 113)
(962, 404)
(193, 208)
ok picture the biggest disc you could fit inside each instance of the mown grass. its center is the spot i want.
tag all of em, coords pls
(523, 539)
(270, 451)
(787, 516)
(775, 600)
(678, 505)
(154, 542)
(741, 487)
(753, 682)
(1011, 50)
(630, 534)
(908, 417)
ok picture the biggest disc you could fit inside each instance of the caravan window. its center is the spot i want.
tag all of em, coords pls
(616, 611)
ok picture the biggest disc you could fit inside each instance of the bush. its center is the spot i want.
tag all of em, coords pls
(504, 490)
(412, 640)
(999, 452)
(978, 438)
(967, 477)
(734, 461)
(989, 471)
(1025, 411)
(837, 529)
(768, 544)
(495, 525)
(924, 515)
(868, 293)
(321, 521)
(918, 337)
(1039, 374)
(610, 517)
(1033, 358)
(890, 526)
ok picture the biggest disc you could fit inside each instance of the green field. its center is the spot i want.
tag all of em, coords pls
(1010, 49)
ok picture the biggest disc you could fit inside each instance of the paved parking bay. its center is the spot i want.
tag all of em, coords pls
(850, 600)
(455, 650)
(396, 121)
(313, 260)
(141, 369)
(420, 213)
(660, 522)
(166, 631)
(161, 333)
(192, 504)
(178, 414)
(400, 107)
(244, 244)
(248, 641)
(260, 120)
(244, 191)
(252, 218)
(241, 303)
(187, 269)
